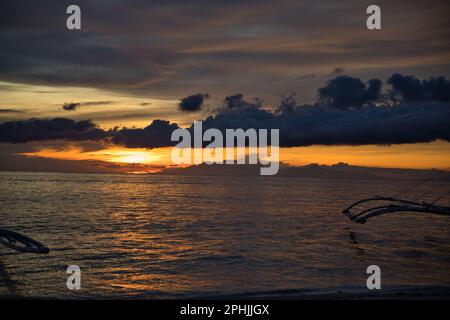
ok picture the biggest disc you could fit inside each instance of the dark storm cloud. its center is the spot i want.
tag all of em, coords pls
(193, 102)
(300, 125)
(157, 134)
(411, 89)
(72, 106)
(345, 116)
(345, 92)
(42, 129)
(303, 125)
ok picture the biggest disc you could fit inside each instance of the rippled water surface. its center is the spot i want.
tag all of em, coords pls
(170, 236)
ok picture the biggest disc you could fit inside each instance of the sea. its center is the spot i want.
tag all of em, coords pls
(163, 237)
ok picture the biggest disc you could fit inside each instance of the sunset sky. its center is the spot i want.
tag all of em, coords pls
(134, 62)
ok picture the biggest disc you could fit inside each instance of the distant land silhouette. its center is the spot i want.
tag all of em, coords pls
(337, 171)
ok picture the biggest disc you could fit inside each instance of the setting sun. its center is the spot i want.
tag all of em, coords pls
(129, 156)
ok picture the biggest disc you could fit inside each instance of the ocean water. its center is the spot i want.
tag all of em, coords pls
(154, 236)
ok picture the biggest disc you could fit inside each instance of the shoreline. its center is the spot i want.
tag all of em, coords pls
(390, 293)
(407, 293)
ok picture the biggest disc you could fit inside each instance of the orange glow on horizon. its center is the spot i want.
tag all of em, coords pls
(407, 156)
(411, 156)
(110, 154)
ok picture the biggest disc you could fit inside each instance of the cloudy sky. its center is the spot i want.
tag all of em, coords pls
(134, 62)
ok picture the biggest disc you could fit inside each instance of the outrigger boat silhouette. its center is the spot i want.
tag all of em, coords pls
(362, 210)
(393, 205)
(21, 243)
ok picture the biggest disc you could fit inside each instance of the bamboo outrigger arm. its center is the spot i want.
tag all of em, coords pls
(21, 243)
(395, 205)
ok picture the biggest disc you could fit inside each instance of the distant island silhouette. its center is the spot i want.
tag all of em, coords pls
(336, 171)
